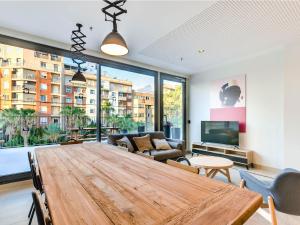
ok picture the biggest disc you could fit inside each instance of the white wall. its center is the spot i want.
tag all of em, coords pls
(264, 102)
(292, 106)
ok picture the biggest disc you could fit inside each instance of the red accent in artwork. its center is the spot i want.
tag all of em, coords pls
(230, 114)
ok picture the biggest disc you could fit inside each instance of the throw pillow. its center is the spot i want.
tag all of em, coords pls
(124, 142)
(161, 144)
(143, 143)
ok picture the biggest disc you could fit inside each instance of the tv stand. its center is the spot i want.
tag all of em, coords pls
(238, 156)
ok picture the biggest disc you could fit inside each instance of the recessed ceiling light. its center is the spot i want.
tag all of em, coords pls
(201, 51)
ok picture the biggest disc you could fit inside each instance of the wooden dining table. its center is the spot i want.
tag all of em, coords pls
(97, 184)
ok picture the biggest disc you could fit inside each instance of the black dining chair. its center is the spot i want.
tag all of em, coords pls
(37, 183)
(42, 214)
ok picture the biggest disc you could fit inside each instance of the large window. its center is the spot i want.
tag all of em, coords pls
(127, 101)
(173, 106)
(39, 105)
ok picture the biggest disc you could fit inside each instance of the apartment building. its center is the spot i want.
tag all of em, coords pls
(31, 80)
(143, 110)
(118, 93)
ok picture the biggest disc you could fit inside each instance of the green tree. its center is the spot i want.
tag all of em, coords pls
(27, 120)
(106, 110)
(9, 120)
(74, 117)
(53, 132)
(173, 105)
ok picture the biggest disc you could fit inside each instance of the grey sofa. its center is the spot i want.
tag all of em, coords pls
(178, 146)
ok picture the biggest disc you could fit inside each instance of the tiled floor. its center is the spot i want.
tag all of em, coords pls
(15, 201)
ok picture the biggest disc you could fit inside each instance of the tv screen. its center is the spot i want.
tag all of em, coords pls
(222, 132)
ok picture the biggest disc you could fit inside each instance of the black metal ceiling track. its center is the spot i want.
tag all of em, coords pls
(116, 7)
(77, 47)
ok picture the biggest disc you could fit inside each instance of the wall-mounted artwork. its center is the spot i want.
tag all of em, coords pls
(228, 100)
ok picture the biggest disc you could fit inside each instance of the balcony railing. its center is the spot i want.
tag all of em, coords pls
(24, 76)
(21, 88)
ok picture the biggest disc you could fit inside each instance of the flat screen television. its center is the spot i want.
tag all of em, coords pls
(221, 132)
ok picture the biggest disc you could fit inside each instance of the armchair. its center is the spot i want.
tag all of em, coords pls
(283, 194)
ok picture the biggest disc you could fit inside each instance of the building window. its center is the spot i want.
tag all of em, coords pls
(43, 64)
(6, 97)
(43, 120)
(92, 110)
(43, 86)
(55, 120)
(5, 85)
(68, 100)
(92, 92)
(92, 101)
(44, 109)
(68, 89)
(5, 72)
(43, 98)
(79, 101)
(43, 75)
(55, 67)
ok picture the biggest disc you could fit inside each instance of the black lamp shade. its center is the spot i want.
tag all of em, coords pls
(78, 77)
(114, 44)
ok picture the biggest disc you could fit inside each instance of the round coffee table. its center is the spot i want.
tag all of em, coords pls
(212, 165)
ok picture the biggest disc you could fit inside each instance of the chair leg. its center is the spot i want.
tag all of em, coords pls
(272, 210)
(242, 183)
(31, 217)
(30, 211)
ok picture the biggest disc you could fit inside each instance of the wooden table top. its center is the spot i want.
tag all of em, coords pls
(211, 162)
(97, 184)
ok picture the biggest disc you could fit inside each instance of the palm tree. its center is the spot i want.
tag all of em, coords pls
(9, 120)
(74, 117)
(27, 120)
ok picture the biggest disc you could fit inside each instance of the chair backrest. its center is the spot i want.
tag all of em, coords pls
(285, 191)
(183, 166)
(184, 160)
(30, 158)
(42, 215)
(37, 183)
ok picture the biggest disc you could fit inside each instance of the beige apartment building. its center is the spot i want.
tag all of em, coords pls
(31, 79)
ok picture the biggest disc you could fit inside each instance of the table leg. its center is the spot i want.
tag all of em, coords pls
(228, 175)
(214, 173)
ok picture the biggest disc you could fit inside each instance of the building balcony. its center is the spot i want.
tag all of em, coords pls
(55, 80)
(20, 89)
(23, 77)
(122, 98)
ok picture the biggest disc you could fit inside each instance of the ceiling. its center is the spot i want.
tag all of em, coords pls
(167, 34)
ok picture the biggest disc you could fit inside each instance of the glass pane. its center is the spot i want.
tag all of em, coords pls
(127, 102)
(173, 109)
(40, 106)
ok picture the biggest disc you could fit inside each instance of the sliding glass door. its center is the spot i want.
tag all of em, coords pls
(173, 106)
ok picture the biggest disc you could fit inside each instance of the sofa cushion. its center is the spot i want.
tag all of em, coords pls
(166, 154)
(124, 142)
(154, 135)
(161, 144)
(143, 143)
(112, 139)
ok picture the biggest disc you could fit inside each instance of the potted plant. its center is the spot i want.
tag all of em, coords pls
(126, 124)
(140, 126)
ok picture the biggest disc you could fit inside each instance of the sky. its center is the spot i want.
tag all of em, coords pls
(139, 81)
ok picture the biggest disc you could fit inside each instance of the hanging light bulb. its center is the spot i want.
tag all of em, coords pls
(78, 47)
(114, 44)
